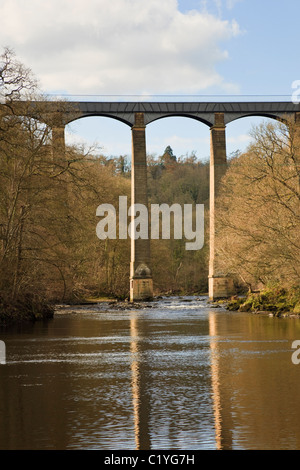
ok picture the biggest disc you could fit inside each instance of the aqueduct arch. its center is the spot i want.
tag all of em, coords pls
(138, 115)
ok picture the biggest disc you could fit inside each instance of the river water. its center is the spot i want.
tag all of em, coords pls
(178, 374)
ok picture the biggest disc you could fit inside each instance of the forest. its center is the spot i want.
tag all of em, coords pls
(49, 251)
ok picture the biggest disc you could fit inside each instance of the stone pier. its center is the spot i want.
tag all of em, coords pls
(219, 286)
(141, 286)
(58, 143)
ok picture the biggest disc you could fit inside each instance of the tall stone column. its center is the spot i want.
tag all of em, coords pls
(219, 286)
(297, 143)
(297, 118)
(58, 143)
(141, 286)
(61, 180)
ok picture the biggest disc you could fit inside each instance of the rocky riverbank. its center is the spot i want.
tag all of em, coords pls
(278, 302)
(275, 302)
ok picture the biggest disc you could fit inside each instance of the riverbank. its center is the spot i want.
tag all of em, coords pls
(27, 308)
(278, 302)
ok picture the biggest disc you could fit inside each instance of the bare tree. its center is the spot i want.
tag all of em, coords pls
(258, 209)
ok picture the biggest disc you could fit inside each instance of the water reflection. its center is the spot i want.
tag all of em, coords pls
(221, 394)
(179, 375)
(255, 385)
(140, 383)
(170, 378)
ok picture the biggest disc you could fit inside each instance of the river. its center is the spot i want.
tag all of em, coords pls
(177, 374)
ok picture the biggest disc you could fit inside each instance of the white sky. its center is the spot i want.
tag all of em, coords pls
(119, 46)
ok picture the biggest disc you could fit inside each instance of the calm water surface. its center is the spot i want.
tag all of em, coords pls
(179, 375)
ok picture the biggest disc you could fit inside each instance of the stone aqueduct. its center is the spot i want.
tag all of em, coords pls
(137, 115)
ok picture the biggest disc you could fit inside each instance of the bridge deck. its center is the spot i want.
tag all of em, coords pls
(203, 111)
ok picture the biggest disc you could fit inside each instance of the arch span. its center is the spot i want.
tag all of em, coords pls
(202, 111)
(276, 117)
(105, 115)
(182, 115)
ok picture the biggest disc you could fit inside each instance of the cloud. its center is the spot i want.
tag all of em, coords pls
(239, 139)
(220, 4)
(231, 3)
(118, 47)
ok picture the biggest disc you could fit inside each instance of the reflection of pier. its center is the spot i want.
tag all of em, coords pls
(140, 392)
(221, 371)
(254, 383)
(224, 387)
(220, 374)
